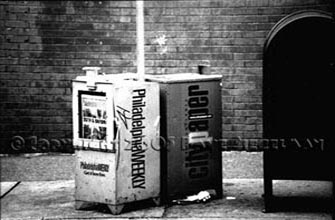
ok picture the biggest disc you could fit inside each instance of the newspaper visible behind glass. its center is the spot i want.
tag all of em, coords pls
(94, 117)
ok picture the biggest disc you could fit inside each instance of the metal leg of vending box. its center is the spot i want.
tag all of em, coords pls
(333, 206)
(82, 204)
(268, 187)
(157, 201)
(219, 192)
(116, 209)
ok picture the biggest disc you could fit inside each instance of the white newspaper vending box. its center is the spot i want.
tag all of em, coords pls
(116, 140)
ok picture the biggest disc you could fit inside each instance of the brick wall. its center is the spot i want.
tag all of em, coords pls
(44, 44)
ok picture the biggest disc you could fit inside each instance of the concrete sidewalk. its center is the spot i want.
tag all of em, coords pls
(242, 200)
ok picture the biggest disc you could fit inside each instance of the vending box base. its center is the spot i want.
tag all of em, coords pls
(190, 134)
(99, 180)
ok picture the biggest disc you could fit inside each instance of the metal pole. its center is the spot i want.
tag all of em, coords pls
(140, 39)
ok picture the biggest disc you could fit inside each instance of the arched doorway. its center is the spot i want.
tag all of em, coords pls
(298, 94)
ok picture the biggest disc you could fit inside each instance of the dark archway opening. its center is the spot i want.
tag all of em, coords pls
(298, 94)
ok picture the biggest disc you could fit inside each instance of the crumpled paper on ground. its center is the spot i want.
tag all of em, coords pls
(202, 196)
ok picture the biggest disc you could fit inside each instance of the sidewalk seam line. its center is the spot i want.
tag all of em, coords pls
(8, 191)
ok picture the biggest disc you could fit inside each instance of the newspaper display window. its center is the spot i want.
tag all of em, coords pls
(93, 116)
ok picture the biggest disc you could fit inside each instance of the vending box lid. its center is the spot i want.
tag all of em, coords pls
(182, 77)
(109, 78)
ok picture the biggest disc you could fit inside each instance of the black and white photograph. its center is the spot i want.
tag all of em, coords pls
(167, 109)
